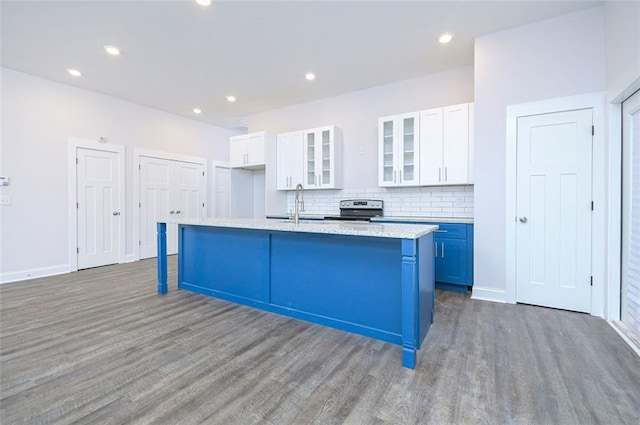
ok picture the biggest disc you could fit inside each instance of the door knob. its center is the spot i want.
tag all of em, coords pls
(178, 212)
(171, 212)
(116, 213)
(523, 219)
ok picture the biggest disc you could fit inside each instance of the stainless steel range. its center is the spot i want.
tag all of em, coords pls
(358, 210)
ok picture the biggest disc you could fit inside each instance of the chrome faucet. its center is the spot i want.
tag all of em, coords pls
(299, 203)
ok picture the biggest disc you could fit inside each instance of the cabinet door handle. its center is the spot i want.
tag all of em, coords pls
(442, 231)
(171, 212)
(394, 176)
(442, 250)
(178, 212)
(445, 174)
(436, 244)
(439, 174)
(400, 173)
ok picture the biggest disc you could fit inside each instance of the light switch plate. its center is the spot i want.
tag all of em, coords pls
(5, 200)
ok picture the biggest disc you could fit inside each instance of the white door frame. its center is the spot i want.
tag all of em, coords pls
(599, 254)
(137, 153)
(613, 311)
(73, 145)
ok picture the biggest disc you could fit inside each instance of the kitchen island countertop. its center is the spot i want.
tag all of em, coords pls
(348, 228)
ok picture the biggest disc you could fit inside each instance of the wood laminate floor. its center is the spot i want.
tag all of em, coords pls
(99, 346)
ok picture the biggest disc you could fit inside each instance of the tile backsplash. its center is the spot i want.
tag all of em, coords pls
(433, 201)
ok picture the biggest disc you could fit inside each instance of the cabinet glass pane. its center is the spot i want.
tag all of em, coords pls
(407, 173)
(387, 129)
(311, 159)
(326, 157)
(387, 174)
(408, 149)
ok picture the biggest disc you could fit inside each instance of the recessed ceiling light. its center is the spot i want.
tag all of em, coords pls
(310, 76)
(204, 3)
(445, 38)
(112, 50)
(231, 98)
(197, 111)
(74, 72)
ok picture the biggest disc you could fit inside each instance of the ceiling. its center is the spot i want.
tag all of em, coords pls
(177, 55)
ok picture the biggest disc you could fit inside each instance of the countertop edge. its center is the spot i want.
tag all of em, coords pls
(379, 230)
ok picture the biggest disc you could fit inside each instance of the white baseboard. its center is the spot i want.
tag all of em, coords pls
(34, 273)
(489, 294)
(626, 334)
(130, 258)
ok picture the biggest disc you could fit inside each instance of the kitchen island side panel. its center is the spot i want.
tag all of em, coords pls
(352, 279)
(231, 261)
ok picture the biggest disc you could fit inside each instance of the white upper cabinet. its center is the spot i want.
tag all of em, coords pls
(322, 158)
(289, 160)
(247, 150)
(446, 142)
(399, 150)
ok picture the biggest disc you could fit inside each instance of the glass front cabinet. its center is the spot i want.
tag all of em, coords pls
(399, 150)
(323, 158)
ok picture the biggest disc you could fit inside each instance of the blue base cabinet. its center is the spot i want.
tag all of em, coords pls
(453, 249)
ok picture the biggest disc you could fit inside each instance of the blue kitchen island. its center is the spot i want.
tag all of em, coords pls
(371, 279)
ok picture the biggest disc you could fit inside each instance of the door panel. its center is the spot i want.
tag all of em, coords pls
(456, 144)
(155, 175)
(169, 190)
(431, 134)
(222, 188)
(553, 258)
(98, 180)
(450, 260)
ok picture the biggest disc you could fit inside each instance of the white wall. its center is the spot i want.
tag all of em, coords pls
(38, 117)
(559, 57)
(357, 115)
(622, 37)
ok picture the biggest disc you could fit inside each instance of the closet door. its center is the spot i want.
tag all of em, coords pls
(168, 190)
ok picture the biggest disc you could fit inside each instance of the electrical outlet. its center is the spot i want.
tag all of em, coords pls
(460, 200)
(5, 200)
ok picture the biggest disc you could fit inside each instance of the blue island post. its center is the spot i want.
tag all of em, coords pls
(373, 280)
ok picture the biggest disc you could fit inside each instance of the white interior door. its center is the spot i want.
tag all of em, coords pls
(169, 190)
(222, 191)
(188, 190)
(155, 184)
(630, 290)
(98, 208)
(553, 203)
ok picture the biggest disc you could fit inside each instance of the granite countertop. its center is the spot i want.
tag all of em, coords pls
(443, 220)
(378, 230)
(302, 217)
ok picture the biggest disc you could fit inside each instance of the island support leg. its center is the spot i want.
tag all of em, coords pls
(162, 258)
(409, 303)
